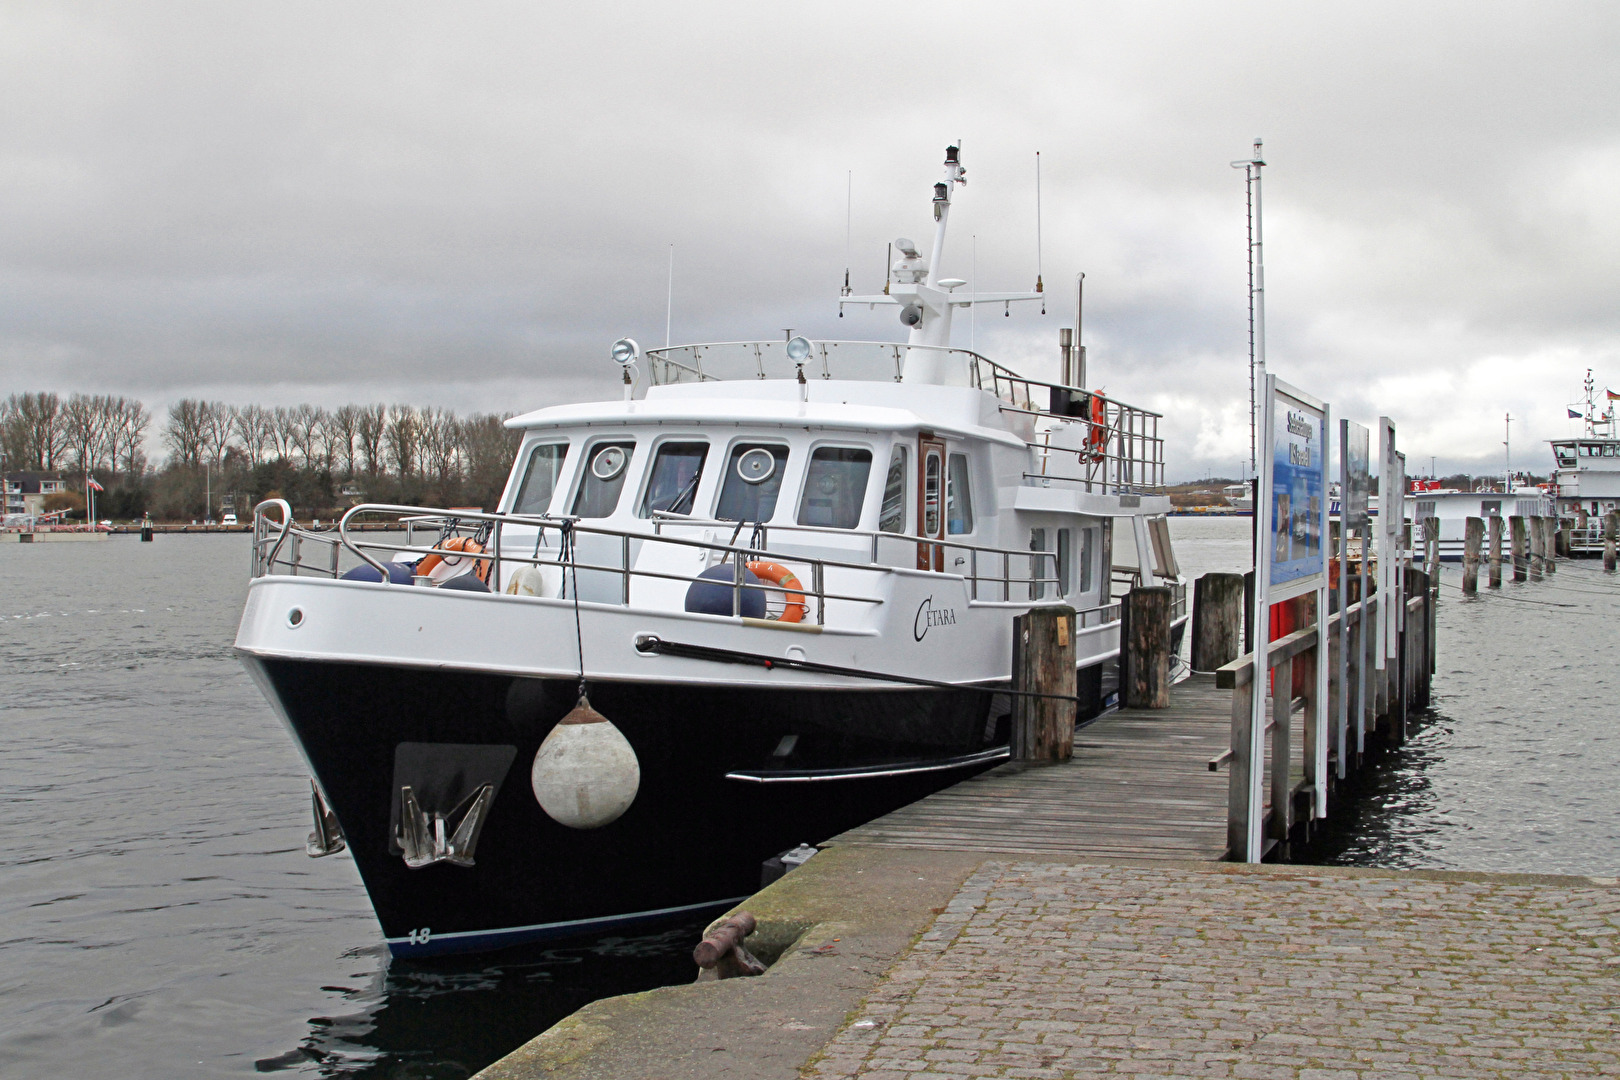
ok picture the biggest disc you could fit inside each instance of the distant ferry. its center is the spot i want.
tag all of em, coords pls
(1506, 497)
(1586, 479)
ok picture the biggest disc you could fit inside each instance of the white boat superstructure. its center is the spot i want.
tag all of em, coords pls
(1453, 507)
(1586, 476)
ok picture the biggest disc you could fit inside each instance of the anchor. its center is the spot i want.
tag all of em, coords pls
(327, 838)
(427, 839)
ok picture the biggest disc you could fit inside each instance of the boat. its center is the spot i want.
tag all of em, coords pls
(1239, 496)
(1586, 474)
(767, 595)
(1503, 497)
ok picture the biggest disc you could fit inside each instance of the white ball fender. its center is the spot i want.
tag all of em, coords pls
(585, 774)
(542, 580)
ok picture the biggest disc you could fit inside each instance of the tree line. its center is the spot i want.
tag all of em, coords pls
(320, 460)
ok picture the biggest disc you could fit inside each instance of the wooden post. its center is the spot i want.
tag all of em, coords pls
(1538, 537)
(1494, 580)
(1521, 562)
(1217, 621)
(1566, 529)
(1043, 662)
(1554, 544)
(1282, 722)
(1145, 647)
(1473, 538)
(1611, 528)
(1238, 776)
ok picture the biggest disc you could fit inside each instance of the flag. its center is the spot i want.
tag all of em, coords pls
(1612, 395)
(90, 482)
(1573, 415)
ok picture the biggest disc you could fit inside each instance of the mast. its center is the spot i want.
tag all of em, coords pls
(925, 299)
(1257, 289)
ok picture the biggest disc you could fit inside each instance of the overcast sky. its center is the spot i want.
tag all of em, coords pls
(465, 204)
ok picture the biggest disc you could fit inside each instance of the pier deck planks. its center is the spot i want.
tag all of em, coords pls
(1139, 786)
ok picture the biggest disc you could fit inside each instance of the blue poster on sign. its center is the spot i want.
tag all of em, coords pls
(1298, 486)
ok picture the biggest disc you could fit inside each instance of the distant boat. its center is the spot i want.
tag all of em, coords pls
(1239, 496)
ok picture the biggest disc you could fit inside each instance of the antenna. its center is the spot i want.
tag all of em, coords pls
(1038, 286)
(849, 214)
(973, 308)
(1507, 451)
(888, 268)
(669, 302)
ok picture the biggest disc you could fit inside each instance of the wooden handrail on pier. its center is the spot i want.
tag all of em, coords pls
(1367, 695)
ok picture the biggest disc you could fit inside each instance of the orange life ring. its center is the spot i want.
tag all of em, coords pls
(777, 574)
(456, 543)
(1097, 437)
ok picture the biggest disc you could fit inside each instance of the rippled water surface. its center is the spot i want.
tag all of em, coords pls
(160, 918)
(1516, 767)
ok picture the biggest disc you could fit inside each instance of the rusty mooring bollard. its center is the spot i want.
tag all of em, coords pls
(721, 955)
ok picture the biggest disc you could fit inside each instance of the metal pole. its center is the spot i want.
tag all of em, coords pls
(1257, 286)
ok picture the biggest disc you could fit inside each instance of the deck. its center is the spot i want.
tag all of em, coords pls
(1138, 786)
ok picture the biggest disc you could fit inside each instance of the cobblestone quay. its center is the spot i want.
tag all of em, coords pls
(1040, 969)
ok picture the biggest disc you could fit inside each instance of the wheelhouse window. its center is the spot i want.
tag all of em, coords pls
(835, 487)
(958, 498)
(540, 478)
(673, 480)
(752, 482)
(892, 518)
(603, 479)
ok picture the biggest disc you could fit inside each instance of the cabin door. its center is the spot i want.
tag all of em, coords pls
(931, 503)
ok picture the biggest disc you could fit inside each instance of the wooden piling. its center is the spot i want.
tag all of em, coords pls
(1521, 559)
(1611, 527)
(1566, 529)
(1473, 537)
(1217, 621)
(1043, 662)
(1145, 647)
(1555, 542)
(1538, 538)
(1494, 580)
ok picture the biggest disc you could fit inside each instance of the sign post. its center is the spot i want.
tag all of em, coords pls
(1291, 511)
(1355, 485)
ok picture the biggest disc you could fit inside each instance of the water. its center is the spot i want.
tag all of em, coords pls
(159, 912)
(160, 916)
(1513, 767)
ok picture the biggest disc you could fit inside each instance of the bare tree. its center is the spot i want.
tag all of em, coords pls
(488, 448)
(284, 431)
(129, 434)
(185, 431)
(404, 438)
(342, 428)
(82, 422)
(371, 425)
(254, 430)
(34, 431)
(306, 431)
(218, 423)
(439, 442)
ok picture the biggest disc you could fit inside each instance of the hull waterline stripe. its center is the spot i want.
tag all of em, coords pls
(872, 772)
(651, 643)
(603, 919)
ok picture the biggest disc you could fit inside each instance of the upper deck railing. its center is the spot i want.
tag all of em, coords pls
(1105, 445)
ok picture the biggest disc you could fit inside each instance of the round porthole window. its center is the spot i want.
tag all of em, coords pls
(295, 618)
(756, 466)
(609, 462)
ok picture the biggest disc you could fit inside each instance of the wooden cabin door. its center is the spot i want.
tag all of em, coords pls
(931, 503)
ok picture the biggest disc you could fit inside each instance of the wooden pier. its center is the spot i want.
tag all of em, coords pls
(1139, 786)
(1171, 783)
